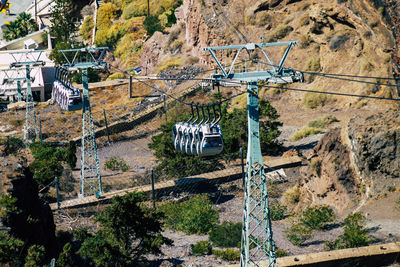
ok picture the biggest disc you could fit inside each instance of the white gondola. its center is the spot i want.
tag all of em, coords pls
(68, 97)
(203, 138)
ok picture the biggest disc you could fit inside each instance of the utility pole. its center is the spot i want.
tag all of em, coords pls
(148, 7)
(28, 60)
(257, 245)
(83, 59)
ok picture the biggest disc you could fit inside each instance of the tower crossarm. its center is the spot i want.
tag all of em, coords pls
(276, 74)
(85, 58)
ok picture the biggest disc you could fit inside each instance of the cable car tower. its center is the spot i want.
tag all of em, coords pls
(18, 76)
(28, 60)
(83, 59)
(257, 243)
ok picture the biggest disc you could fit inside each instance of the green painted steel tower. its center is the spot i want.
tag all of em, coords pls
(28, 60)
(257, 246)
(83, 59)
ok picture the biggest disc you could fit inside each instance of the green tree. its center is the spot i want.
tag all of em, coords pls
(128, 231)
(35, 256)
(228, 234)
(194, 216)
(152, 24)
(62, 20)
(57, 56)
(22, 26)
(70, 154)
(10, 250)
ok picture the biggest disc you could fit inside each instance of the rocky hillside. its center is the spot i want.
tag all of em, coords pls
(343, 37)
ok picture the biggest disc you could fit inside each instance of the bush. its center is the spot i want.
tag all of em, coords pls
(202, 248)
(315, 165)
(314, 100)
(226, 235)
(170, 63)
(10, 250)
(277, 211)
(305, 40)
(280, 32)
(35, 256)
(134, 10)
(116, 164)
(355, 234)
(229, 254)
(292, 194)
(116, 75)
(93, 76)
(305, 132)
(322, 122)
(12, 144)
(298, 233)
(313, 64)
(194, 216)
(87, 28)
(152, 24)
(316, 218)
(106, 13)
(280, 253)
(16, 122)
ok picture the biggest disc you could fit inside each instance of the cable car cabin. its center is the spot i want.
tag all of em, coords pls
(68, 98)
(177, 133)
(211, 140)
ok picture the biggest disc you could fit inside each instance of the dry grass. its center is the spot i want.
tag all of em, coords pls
(305, 132)
(16, 123)
(170, 63)
(292, 195)
(280, 32)
(314, 100)
(116, 75)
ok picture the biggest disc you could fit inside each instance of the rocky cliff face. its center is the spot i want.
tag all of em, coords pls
(375, 150)
(33, 221)
(329, 179)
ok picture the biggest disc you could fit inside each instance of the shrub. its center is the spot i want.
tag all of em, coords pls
(314, 100)
(194, 216)
(110, 36)
(106, 13)
(228, 234)
(322, 122)
(277, 211)
(134, 10)
(280, 252)
(116, 164)
(202, 248)
(298, 233)
(292, 194)
(305, 132)
(313, 64)
(16, 122)
(116, 75)
(229, 254)
(35, 256)
(170, 63)
(152, 24)
(87, 27)
(315, 165)
(10, 250)
(355, 234)
(280, 32)
(305, 40)
(316, 218)
(12, 144)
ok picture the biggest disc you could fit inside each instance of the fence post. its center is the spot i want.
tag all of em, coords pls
(242, 163)
(40, 131)
(130, 86)
(58, 196)
(105, 120)
(153, 194)
(165, 108)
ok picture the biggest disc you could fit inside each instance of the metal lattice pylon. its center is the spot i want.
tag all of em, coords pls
(28, 59)
(257, 245)
(90, 168)
(257, 231)
(83, 59)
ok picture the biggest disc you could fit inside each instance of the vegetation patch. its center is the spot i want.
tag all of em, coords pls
(170, 62)
(229, 254)
(315, 166)
(322, 122)
(313, 100)
(292, 195)
(280, 32)
(226, 235)
(298, 234)
(86, 30)
(277, 211)
(116, 164)
(115, 76)
(316, 218)
(355, 233)
(193, 216)
(11, 144)
(305, 132)
(202, 248)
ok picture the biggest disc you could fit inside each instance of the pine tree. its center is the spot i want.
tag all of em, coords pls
(62, 20)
